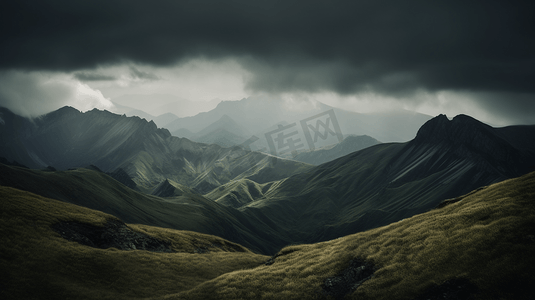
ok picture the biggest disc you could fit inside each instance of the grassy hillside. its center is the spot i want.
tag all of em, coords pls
(483, 243)
(388, 182)
(37, 263)
(96, 190)
(477, 246)
(239, 192)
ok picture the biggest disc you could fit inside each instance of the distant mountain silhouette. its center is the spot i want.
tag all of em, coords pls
(159, 104)
(164, 119)
(224, 132)
(258, 113)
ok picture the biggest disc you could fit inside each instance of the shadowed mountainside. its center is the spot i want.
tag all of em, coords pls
(348, 145)
(477, 246)
(67, 138)
(55, 250)
(365, 189)
(388, 182)
(185, 211)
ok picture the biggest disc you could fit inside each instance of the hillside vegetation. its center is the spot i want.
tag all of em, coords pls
(388, 182)
(482, 242)
(68, 138)
(37, 263)
(96, 190)
(479, 245)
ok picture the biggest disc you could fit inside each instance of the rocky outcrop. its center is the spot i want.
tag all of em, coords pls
(349, 279)
(115, 234)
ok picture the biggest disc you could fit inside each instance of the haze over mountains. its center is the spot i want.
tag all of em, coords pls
(388, 182)
(252, 122)
(242, 198)
(267, 150)
(253, 198)
(160, 104)
(258, 114)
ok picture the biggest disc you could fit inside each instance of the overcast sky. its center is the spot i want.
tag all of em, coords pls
(473, 57)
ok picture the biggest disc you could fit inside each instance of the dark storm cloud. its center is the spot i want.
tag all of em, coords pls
(92, 76)
(515, 108)
(344, 46)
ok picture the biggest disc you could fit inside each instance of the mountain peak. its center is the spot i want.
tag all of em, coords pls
(461, 128)
(226, 118)
(64, 111)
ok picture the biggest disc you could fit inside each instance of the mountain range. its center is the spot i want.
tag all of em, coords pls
(258, 114)
(252, 121)
(68, 138)
(160, 105)
(392, 181)
(252, 198)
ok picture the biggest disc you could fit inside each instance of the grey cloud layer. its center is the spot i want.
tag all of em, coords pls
(345, 46)
(93, 76)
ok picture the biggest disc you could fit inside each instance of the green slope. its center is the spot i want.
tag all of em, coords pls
(68, 138)
(238, 192)
(477, 246)
(96, 190)
(388, 182)
(483, 243)
(169, 188)
(37, 263)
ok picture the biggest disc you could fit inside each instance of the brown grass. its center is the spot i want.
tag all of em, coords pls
(487, 238)
(37, 263)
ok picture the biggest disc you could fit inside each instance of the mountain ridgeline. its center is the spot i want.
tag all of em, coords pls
(256, 114)
(389, 182)
(68, 138)
(251, 198)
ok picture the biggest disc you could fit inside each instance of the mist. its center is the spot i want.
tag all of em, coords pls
(35, 93)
